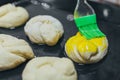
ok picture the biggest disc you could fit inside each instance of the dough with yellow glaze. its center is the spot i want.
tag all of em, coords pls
(84, 51)
(12, 16)
(13, 52)
(49, 68)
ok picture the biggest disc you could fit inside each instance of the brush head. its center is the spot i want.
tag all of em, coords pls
(88, 27)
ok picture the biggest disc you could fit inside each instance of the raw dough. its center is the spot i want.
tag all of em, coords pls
(12, 16)
(49, 68)
(44, 29)
(13, 52)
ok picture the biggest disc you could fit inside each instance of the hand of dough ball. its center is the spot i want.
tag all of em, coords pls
(44, 29)
(12, 16)
(49, 68)
(84, 51)
(13, 52)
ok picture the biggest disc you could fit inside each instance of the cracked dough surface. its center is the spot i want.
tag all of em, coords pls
(44, 29)
(12, 16)
(13, 52)
(49, 68)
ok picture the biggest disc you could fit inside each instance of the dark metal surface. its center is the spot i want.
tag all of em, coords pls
(107, 11)
(107, 69)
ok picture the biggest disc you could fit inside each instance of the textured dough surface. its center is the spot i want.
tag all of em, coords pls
(13, 52)
(49, 68)
(44, 29)
(84, 51)
(12, 16)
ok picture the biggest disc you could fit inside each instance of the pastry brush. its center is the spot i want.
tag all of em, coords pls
(85, 19)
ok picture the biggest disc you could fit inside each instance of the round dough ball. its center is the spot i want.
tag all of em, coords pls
(12, 16)
(49, 68)
(84, 51)
(44, 29)
(13, 52)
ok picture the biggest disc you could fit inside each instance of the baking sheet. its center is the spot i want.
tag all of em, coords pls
(106, 69)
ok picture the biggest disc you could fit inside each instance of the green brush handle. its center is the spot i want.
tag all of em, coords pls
(88, 27)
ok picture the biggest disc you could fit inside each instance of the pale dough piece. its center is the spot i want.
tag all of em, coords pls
(44, 29)
(12, 16)
(13, 52)
(49, 68)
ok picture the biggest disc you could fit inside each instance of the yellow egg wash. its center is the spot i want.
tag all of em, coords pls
(85, 46)
(100, 42)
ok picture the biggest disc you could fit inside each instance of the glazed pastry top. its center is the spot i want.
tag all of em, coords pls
(86, 48)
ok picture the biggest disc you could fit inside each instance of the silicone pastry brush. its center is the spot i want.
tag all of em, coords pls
(85, 19)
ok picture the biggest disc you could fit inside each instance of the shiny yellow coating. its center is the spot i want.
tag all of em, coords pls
(100, 42)
(85, 46)
(87, 49)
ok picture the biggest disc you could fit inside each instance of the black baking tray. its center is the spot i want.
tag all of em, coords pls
(105, 7)
(106, 69)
